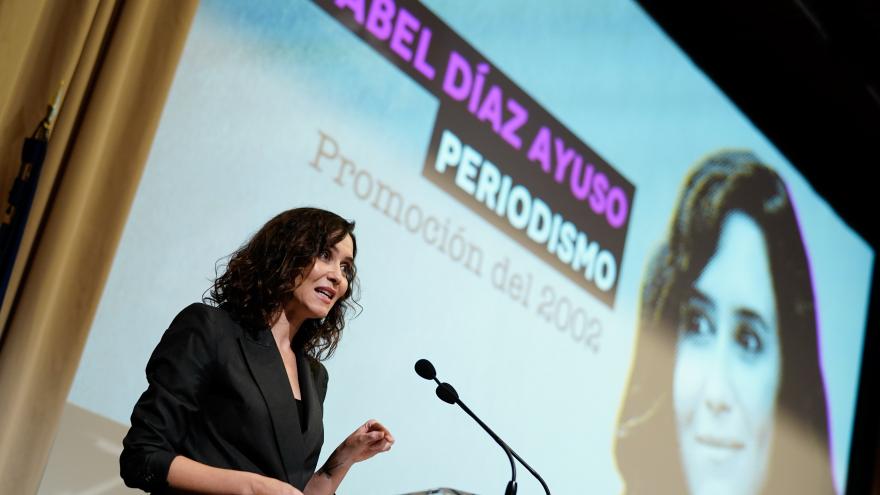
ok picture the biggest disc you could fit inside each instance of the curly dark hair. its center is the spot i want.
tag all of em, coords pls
(259, 278)
(646, 444)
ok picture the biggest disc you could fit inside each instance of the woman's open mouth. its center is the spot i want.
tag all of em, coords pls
(326, 294)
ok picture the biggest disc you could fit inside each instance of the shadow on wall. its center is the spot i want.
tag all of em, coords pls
(84, 459)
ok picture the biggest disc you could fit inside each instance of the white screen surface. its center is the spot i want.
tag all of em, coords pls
(260, 90)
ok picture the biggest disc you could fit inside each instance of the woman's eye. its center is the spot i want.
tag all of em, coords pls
(347, 270)
(324, 254)
(695, 322)
(748, 339)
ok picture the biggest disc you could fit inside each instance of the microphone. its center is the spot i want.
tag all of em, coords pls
(425, 369)
(447, 394)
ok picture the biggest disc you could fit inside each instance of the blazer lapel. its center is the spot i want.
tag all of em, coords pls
(309, 392)
(267, 368)
(313, 434)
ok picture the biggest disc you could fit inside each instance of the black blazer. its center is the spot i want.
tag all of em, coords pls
(219, 394)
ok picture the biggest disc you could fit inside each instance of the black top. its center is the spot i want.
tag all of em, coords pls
(219, 394)
(301, 412)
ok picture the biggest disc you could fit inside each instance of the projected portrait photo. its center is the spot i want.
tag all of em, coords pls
(725, 393)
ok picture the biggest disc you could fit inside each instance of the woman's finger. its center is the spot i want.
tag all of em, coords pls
(373, 425)
(379, 447)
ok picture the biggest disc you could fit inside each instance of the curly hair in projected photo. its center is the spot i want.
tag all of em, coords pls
(725, 393)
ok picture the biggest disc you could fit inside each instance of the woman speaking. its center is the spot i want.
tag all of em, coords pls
(234, 403)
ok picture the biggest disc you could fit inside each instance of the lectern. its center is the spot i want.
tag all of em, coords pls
(440, 491)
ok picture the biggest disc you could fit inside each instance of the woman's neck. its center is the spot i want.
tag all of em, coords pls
(284, 329)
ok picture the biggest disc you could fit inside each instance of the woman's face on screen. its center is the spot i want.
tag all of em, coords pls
(727, 368)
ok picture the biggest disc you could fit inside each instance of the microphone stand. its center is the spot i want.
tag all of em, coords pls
(506, 447)
(449, 395)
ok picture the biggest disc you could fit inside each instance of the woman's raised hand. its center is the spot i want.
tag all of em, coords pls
(368, 440)
(365, 442)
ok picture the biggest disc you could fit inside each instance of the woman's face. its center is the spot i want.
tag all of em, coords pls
(728, 365)
(318, 290)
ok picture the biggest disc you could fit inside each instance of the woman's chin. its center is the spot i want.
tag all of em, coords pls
(713, 470)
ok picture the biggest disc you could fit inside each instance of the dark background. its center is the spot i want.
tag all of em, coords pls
(807, 74)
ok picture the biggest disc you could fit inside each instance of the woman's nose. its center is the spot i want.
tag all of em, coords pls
(334, 275)
(718, 394)
(717, 405)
